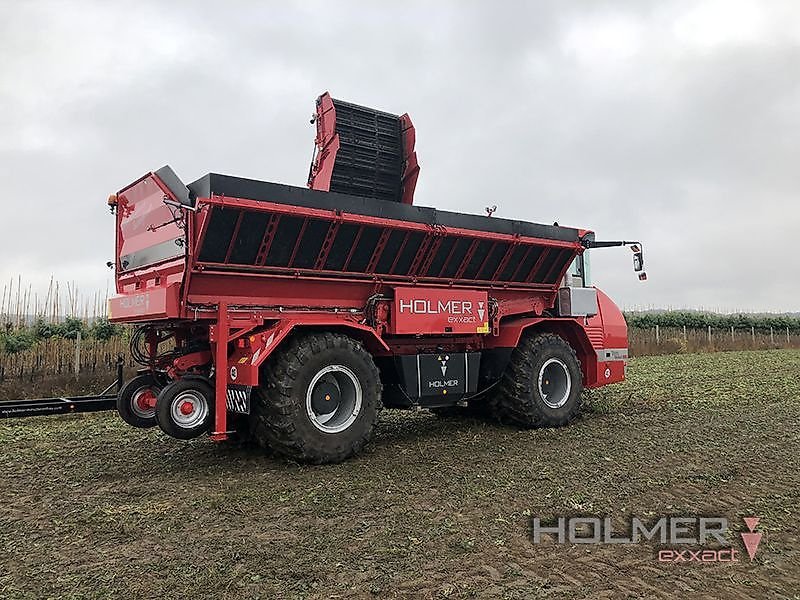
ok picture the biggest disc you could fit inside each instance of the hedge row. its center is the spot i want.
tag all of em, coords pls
(699, 320)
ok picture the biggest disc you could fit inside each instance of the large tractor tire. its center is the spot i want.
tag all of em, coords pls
(319, 400)
(136, 401)
(542, 384)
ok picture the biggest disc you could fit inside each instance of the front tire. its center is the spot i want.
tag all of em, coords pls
(542, 384)
(136, 401)
(320, 399)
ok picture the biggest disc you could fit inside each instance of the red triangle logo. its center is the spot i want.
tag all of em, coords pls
(751, 522)
(751, 542)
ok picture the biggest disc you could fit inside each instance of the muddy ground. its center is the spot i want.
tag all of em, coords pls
(90, 508)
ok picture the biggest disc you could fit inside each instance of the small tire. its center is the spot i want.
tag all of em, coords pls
(542, 385)
(136, 401)
(312, 373)
(185, 408)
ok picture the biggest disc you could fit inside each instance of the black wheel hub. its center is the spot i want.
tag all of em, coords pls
(326, 397)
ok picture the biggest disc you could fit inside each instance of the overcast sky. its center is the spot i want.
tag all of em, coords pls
(677, 123)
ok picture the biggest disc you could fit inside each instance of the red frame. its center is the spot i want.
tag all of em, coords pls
(250, 310)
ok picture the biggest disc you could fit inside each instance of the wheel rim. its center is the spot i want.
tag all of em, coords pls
(555, 383)
(143, 403)
(333, 399)
(189, 409)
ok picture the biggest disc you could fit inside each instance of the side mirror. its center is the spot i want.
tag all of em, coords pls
(638, 258)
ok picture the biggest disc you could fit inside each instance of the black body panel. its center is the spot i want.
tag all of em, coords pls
(251, 189)
(437, 379)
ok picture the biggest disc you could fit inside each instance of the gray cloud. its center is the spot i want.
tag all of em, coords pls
(676, 123)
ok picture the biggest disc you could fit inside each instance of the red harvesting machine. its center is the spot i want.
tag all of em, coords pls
(295, 315)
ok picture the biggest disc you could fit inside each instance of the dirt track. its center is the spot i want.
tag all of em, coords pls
(433, 508)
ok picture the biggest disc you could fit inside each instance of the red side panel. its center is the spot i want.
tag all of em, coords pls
(150, 251)
(410, 164)
(327, 145)
(147, 230)
(615, 330)
(439, 311)
(612, 357)
(146, 305)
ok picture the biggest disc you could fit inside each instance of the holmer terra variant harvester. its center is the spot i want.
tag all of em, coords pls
(295, 315)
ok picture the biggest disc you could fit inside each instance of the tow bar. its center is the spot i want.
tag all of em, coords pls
(64, 405)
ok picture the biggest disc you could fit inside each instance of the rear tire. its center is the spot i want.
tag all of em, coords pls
(542, 384)
(310, 375)
(136, 401)
(185, 408)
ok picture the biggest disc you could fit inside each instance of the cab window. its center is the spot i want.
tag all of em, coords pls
(579, 271)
